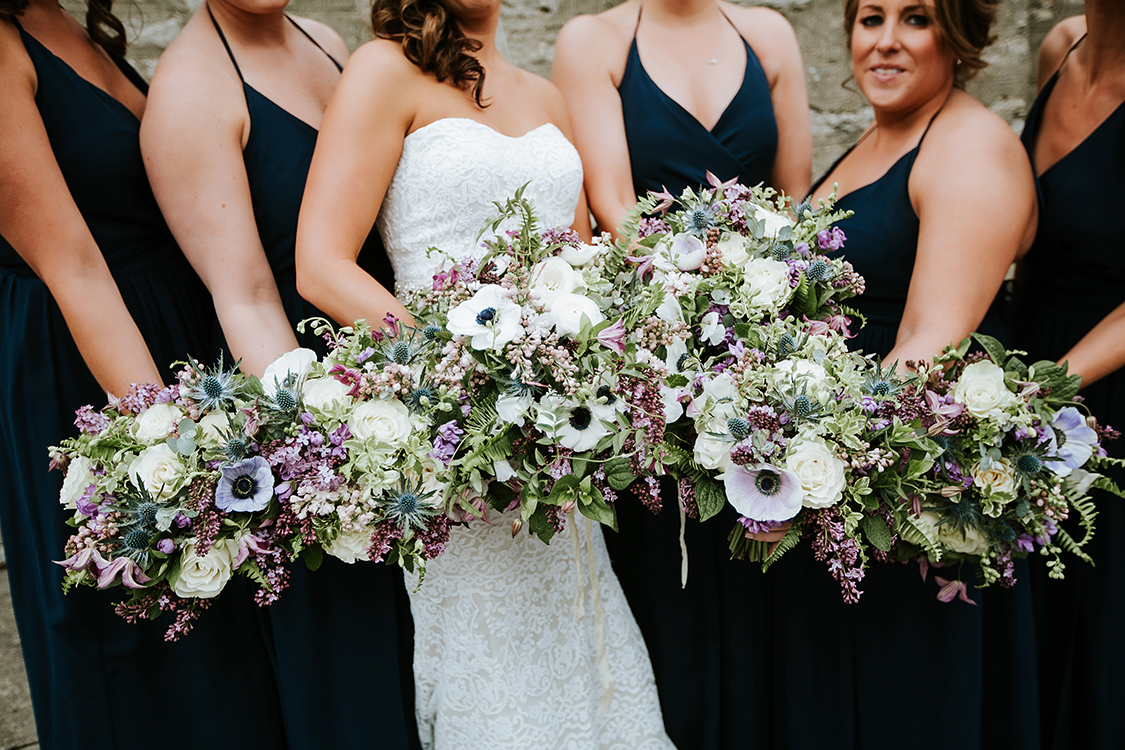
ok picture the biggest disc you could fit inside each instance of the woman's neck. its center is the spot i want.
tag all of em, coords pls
(483, 30)
(252, 28)
(679, 12)
(1103, 53)
(905, 124)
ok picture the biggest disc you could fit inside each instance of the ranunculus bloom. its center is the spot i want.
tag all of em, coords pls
(733, 250)
(821, 474)
(568, 310)
(762, 492)
(385, 420)
(982, 390)
(296, 363)
(323, 393)
(770, 280)
(350, 546)
(489, 318)
(156, 422)
(205, 576)
(551, 278)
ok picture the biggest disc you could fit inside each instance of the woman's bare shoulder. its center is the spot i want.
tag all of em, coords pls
(592, 33)
(325, 36)
(1057, 43)
(16, 68)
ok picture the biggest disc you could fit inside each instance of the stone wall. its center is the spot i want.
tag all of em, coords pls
(1007, 86)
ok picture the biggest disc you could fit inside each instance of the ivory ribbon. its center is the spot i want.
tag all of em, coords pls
(683, 549)
(604, 675)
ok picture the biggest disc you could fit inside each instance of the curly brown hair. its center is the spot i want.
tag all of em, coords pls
(432, 40)
(964, 25)
(104, 28)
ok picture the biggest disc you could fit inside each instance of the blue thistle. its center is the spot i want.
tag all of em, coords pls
(738, 427)
(431, 332)
(145, 513)
(400, 352)
(818, 270)
(137, 540)
(802, 406)
(1029, 464)
(1005, 533)
(786, 346)
(700, 220)
(215, 388)
(882, 383)
(961, 514)
(285, 400)
(236, 449)
(421, 398)
(780, 251)
(407, 506)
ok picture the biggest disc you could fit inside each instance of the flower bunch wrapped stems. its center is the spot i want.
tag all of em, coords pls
(175, 490)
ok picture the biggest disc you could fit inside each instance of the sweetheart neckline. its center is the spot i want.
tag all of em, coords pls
(485, 126)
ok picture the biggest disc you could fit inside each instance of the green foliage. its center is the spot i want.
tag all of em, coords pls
(876, 531)
(710, 497)
(788, 542)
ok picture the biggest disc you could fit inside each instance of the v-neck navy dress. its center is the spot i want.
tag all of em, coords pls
(707, 642)
(97, 681)
(1074, 277)
(341, 637)
(898, 668)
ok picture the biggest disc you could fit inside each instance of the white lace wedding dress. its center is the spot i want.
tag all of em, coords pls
(508, 631)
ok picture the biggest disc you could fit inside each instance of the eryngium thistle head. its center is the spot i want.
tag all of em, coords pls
(430, 332)
(236, 449)
(137, 540)
(146, 513)
(818, 270)
(780, 251)
(786, 346)
(285, 400)
(738, 427)
(1029, 464)
(400, 352)
(803, 406)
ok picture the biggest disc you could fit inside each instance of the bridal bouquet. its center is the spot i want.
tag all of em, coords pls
(1012, 458)
(546, 344)
(176, 490)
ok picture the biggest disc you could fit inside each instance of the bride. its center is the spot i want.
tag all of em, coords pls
(517, 643)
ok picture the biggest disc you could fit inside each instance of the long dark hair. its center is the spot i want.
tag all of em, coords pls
(104, 28)
(432, 40)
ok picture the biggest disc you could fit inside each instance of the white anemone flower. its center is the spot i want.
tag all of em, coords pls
(569, 310)
(490, 318)
(581, 429)
(713, 329)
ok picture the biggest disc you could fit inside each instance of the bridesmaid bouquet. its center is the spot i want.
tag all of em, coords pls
(1012, 458)
(543, 346)
(176, 490)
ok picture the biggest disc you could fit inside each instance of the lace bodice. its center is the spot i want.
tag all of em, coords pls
(450, 173)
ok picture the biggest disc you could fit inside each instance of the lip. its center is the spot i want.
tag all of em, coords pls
(885, 72)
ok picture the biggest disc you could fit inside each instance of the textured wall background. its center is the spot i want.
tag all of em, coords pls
(1007, 86)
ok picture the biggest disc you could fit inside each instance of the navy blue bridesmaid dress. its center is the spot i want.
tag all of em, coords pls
(899, 668)
(1074, 276)
(709, 640)
(342, 636)
(96, 681)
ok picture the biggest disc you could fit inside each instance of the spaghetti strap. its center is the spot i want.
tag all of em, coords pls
(639, 12)
(223, 37)
(309, 37)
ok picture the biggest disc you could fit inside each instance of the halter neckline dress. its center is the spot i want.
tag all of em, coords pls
(95, 679)
(341, 637)
(1074, 276)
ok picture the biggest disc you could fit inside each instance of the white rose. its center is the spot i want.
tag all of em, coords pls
(156, 422)
(971, 542)
(982, 390)
(568, 310)
(297, 363)
(797, 374)
(552, 278)
(322, 393)
(579, 255)
(770, 280)
(1000, 476)
(78, 477)
(733, 249)
(350, 546)
(158, 470)
(774, 221)
(388, 421)
(213, 425)
(820, 472)
(204, 577)
(713, 452)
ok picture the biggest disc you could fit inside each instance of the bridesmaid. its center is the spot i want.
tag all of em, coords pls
(1074, 311)
(924, 182)
(91, 282)
(231, 126)
(661, 92)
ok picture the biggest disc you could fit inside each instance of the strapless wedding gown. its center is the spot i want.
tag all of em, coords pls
(507, 645)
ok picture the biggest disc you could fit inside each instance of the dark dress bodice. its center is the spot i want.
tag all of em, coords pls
(669, 148)
(341, 638)
(707, 641)
(1073, 277)
(95, 680)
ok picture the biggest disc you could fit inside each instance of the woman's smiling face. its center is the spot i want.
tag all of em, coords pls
(898, 56)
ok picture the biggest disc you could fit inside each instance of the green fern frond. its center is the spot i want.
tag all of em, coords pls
(919, 534)
(788, 542)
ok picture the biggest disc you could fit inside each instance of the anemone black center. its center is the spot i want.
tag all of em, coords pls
(244, 486)
(607, 394)
(768, 482)
(580, 418)
(211, 387)
(486, 316)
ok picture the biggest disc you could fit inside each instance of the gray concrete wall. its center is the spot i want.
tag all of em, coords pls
(1007, 86)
